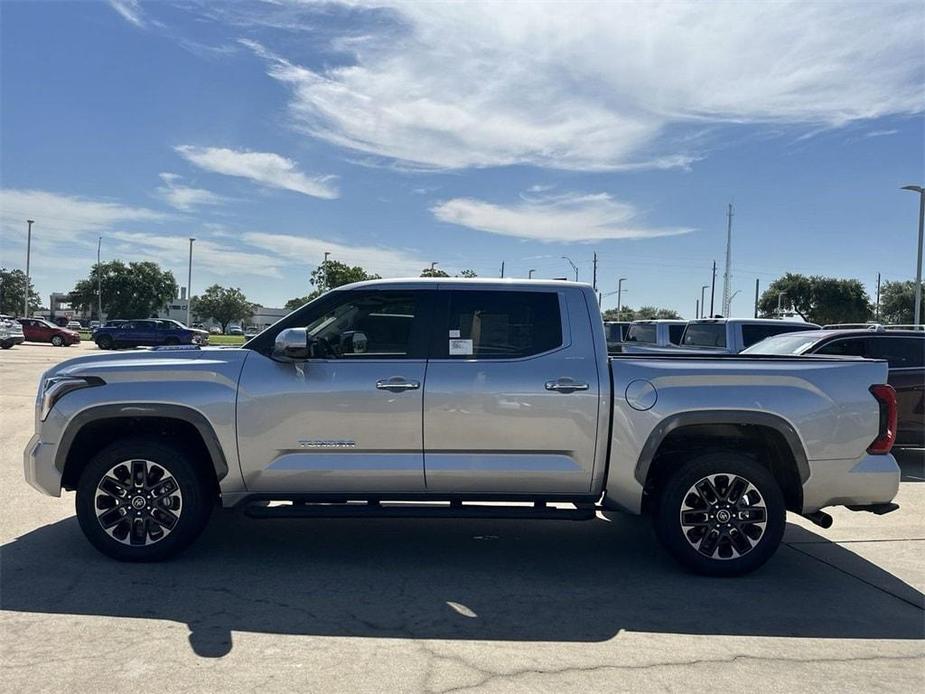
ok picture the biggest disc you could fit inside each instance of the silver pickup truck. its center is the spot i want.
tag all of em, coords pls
(461, 398)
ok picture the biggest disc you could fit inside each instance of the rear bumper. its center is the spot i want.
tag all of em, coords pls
(870, 480)
(13, 340)
(39, 467)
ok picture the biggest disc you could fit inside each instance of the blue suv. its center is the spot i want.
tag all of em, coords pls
(148, 333)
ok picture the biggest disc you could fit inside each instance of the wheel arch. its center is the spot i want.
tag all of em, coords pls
(769, 438)
(96, 427)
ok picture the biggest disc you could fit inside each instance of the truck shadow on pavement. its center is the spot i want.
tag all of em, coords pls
(473, 579)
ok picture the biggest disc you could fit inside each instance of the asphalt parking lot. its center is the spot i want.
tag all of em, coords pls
(396, 605)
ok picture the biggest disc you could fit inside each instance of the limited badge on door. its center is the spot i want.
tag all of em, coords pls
(460, 347)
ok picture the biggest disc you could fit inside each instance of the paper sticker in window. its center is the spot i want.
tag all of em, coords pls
(460, 347)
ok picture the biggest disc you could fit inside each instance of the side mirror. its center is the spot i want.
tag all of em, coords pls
(293, 344)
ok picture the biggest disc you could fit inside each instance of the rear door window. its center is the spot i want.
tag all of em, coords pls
(642, 332)
(900, 352)
(500, 325)
(705, 335)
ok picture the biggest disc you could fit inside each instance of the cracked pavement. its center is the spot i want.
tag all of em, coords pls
(446, 605)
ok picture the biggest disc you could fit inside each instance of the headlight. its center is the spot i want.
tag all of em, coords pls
(56, 387)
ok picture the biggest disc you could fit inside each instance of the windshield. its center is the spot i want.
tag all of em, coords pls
(705, 335)
(782, 344)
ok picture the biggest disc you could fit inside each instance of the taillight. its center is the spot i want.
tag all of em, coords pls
(886, 398)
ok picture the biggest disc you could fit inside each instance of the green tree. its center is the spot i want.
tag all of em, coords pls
(222, 305)
(135, 290)
(626, 314)
(433, 272)
(13, 292)
(328, 275)
(817, 299)
(897, 302)
(654, 312)
(468, 273)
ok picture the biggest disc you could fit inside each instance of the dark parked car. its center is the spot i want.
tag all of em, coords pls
(148, 333)
(904, 351)
(41, 330)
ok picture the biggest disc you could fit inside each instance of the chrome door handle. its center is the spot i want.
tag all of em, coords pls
(566, 385)
(396, 385)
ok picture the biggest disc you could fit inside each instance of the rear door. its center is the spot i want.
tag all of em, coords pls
(511, 400)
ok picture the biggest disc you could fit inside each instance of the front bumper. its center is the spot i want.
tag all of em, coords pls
(870, 480)
(39, 467)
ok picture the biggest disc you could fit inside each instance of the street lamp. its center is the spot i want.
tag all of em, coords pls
(620, 295)
(25, 303)
(99, 283)
(189, 282)
(780, 295)
(706, 286)
(729, 305)
(530, 274)
(574, 267)
(918, 263)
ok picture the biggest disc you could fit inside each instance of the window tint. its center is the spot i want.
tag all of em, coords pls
(900, 352)
(705, 335)
(675, 332)
(501, 325)
(370, 325)
(642, 332)
(846, 347)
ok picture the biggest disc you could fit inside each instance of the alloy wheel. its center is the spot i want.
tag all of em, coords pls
(138, 502)
(723, 516)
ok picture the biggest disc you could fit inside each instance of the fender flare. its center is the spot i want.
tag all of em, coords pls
(141, 410)
(734, 417)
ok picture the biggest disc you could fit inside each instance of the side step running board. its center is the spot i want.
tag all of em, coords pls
(385, 510)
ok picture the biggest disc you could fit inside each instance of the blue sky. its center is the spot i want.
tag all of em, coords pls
(397, 134)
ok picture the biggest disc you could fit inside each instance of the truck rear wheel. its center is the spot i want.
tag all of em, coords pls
(142, 500)
(721, 514)
(104, 342)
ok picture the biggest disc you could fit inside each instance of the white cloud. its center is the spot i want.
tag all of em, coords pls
(184, 197)
(217, 259)
(64, 216)
(598, 86)
(130, 11)
(265, 168)
(570, 217)
(308, 251)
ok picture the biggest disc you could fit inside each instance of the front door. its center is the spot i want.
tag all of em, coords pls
(350, 419)
(512, 397)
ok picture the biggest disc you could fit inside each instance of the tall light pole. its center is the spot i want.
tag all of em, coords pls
(189, 282)
(780, 295)
(702, 305)
(620, 295)
(734, 294)
(25, 303)
(530, 274)
(917, 315)
(574, 267)
(99, 282)
(434, 264)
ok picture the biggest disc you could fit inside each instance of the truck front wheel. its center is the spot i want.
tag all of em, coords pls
(142, 500)
(721, 514)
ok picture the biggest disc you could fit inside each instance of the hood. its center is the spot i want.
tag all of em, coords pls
(147, 364)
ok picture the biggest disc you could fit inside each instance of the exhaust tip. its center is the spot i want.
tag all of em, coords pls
(820, 518)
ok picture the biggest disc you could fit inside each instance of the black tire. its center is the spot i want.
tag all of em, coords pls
(705, 544)
(6, 345)
(104, 342)
(57, 340)
(188, 500)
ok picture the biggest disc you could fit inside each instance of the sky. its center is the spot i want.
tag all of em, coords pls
(397, 134)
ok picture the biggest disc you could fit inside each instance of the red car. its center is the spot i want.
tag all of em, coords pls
(39, 330)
